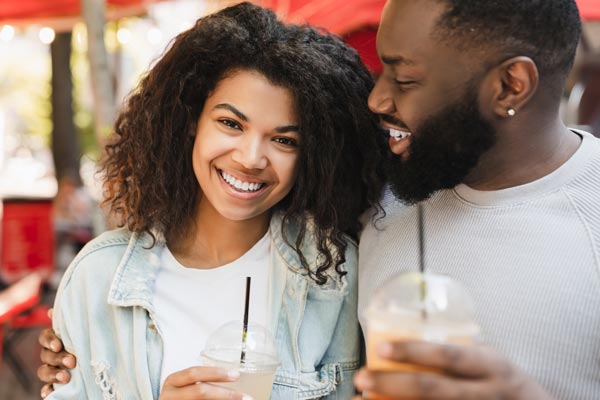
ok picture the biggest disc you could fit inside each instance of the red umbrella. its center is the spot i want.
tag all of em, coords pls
(589, 9)
(355, 20)
(30, 11)
(337, 16)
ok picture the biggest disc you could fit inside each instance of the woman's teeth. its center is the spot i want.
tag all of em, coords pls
(398, 135)
(240, 185)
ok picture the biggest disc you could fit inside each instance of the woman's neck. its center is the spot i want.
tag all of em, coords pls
(214, 240)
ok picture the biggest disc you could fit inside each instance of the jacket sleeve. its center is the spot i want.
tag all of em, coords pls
(70, 323)
(345, 345)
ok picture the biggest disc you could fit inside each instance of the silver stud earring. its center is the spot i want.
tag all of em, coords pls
(511, 112)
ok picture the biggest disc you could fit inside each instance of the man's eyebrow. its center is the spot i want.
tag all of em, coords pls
(395, 60)
(234, 110)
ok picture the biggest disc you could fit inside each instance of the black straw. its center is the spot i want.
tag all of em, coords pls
(245, 328)
(421, 240)
(423, 283)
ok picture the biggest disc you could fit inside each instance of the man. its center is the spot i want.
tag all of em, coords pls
(470, 92)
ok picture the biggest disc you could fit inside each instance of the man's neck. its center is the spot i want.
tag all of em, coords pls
(524, 156)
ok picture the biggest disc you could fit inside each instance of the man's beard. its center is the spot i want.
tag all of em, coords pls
(443, 150)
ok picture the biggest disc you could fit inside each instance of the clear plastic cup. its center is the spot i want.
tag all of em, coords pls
(418, 306)
(257, 372)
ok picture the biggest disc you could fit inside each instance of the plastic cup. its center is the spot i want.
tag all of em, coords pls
(415, 306)
(257, 372)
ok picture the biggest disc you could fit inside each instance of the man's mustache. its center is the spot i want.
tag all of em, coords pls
(393, 121)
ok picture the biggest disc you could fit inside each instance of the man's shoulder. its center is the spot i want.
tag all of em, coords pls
(388, 218)
(587, 181)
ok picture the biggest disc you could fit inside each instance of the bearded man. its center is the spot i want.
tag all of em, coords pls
(470, 93)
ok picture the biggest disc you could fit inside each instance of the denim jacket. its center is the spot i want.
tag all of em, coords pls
(105, 316)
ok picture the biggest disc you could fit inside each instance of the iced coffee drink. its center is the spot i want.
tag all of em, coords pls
(415, 306)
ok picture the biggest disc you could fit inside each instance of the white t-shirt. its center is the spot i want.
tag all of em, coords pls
(191, 303)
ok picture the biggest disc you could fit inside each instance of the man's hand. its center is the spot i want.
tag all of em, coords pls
(55, 361)
(192, 384)
(470, 373)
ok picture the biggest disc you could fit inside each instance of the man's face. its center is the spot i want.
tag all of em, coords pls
(428, 96)
(442, 151)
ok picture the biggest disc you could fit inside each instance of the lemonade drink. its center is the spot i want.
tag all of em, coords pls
(257, 373)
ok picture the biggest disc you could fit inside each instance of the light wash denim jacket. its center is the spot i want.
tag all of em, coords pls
(105, 316)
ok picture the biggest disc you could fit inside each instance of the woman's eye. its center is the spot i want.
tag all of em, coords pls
(230, 124)
(286, 141)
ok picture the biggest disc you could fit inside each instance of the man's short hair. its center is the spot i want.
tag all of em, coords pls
(547, 31)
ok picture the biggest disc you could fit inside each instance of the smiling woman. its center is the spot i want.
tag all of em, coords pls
(248, 150)
(245, 158)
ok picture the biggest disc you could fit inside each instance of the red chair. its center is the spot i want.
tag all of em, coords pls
(27, 243)
(20, 310)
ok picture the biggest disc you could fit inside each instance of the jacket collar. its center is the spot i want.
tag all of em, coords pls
(133, 282)
(291, 231)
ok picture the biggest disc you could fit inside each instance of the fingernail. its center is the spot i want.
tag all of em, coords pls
(54, 346)
(61, 376)
(246, 397)
(68, 361)
(233, 375)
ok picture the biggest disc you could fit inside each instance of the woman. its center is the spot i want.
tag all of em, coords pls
(248, 149)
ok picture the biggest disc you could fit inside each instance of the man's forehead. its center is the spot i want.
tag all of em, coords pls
(405, 27)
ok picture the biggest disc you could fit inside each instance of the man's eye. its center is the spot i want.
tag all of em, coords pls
(230, 123)
(286, 141)
(404, 83)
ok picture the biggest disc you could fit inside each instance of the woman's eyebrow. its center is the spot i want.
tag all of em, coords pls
(243, 117)
(238, 113)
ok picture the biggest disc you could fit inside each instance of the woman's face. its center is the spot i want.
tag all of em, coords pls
(246, 146)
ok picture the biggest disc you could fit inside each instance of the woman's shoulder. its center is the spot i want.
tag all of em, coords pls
(99, 258)
(309, 244)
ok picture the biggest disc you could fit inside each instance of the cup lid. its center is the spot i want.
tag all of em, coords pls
(415, 298)
(224, 348)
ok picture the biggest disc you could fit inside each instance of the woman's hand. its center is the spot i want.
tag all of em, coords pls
(192, 383)
(55, 361)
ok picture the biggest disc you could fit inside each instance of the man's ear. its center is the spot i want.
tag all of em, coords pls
(510, 85)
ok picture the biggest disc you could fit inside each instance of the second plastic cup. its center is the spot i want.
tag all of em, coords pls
(257, 371)
(415, 306)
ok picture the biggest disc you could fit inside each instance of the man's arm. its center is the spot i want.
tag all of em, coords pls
(55, 361)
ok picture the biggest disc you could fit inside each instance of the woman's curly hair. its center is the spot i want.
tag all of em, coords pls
(149, 180)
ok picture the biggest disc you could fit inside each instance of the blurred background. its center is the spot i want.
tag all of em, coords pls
(65, 68)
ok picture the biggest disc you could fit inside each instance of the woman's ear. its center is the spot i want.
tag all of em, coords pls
(510, 85)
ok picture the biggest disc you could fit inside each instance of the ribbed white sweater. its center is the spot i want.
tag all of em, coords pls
(530, 257)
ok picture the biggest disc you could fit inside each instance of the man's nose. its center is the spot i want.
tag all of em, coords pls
(380, 102)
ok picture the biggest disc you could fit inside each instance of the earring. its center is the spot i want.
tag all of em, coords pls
(511, 112)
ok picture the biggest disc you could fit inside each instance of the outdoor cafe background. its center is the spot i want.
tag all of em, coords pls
(59, 92)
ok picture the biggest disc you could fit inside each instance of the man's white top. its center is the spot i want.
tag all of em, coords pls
(191, 303)
(529, 256)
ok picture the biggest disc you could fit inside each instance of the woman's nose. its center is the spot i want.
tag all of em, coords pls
(250, 152)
